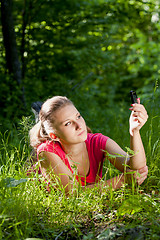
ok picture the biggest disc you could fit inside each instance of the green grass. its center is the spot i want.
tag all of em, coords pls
(28, 211)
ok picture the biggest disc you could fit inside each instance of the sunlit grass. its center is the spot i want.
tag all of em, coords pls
(28, 210)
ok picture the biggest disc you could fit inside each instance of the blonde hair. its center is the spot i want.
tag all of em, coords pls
(40, 131)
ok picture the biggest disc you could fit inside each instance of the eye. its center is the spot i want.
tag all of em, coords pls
(68, 123)
(79, 116)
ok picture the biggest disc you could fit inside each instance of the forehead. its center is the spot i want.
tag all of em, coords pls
(65, 113)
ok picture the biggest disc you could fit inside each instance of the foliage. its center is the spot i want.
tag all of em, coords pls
(94, 52)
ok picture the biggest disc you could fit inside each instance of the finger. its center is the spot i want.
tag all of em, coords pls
(142, 120)
(141, 176)
(138, 107)
(140, 114)
(138, 100)
(138, 111)
(140, 181)
(144, 169)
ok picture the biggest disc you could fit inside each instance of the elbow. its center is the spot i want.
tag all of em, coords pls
(137, 165)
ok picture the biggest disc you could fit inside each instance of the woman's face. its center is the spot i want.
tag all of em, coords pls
(69, 125)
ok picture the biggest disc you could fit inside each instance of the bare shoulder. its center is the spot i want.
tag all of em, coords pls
(49, 160)
(49, 157)
(52, 165)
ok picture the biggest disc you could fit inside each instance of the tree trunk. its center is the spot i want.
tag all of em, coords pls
(9, 38)
(24, 24)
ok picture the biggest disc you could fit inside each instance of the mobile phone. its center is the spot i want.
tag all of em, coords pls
(133, 96)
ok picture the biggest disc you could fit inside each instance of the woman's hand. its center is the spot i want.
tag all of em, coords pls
(139, 176)
(138, 116)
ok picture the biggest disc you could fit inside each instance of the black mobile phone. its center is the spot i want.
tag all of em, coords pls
(133, 96)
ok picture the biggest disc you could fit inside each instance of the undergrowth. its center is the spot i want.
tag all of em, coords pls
(29, 211)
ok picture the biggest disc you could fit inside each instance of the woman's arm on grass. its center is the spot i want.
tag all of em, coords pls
(117, 182)
(54, 169)
(52, 165)
(121, 160)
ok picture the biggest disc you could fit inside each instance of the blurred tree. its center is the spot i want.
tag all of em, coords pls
(91, 51)
(9, 37)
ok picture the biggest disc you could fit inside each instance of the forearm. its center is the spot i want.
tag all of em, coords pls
(139, 159)
(115, 182)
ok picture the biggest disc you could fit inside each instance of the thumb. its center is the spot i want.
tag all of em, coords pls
(138, 100)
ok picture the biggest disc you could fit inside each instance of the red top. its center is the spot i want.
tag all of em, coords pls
(95, 144)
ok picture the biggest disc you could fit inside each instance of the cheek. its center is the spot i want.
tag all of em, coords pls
(83, 122)
(59, 132)
(65, 133)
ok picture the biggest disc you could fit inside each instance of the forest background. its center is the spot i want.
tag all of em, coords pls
(94, 52)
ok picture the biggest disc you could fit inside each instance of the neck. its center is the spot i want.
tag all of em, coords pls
(74, 150)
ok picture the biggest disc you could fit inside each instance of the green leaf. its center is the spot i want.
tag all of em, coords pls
(11, 182)
(107, 235)
(129, 206)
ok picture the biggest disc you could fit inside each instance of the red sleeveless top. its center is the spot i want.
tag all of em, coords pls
(95, 144)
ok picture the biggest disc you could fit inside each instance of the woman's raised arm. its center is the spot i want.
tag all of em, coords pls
(139, 115)
(120, 157)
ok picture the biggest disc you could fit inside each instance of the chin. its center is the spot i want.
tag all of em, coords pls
(84, 136)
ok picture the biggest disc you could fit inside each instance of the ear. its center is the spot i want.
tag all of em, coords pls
(53, 136)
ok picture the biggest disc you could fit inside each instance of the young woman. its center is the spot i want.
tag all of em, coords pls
(64, 143)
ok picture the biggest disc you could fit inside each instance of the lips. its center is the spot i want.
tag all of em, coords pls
(81, 133)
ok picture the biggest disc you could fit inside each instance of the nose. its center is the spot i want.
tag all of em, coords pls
(78, 126)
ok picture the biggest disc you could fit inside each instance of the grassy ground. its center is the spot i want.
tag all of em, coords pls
(28, 211)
